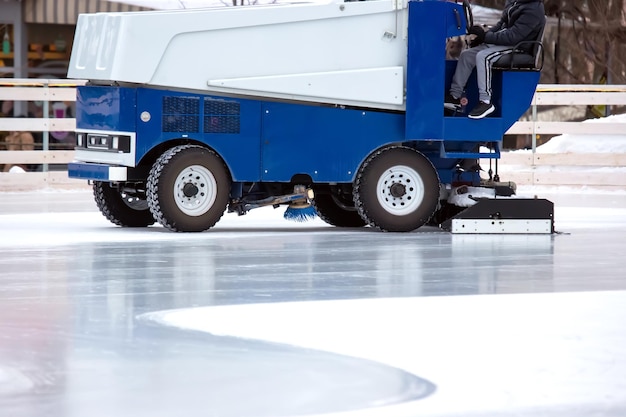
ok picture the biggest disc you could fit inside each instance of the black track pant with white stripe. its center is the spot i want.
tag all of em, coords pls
(481, 57)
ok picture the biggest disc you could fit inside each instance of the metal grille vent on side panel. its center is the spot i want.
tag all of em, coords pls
(221, 116)
(181, 114)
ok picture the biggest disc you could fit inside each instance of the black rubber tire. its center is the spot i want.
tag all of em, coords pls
(209, 182)
(334, 214)
(396, 189)
(120, 209)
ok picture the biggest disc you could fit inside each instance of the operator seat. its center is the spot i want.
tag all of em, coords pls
(521, 59)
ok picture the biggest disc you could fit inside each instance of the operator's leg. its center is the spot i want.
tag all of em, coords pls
(464, 68)
(484, 59)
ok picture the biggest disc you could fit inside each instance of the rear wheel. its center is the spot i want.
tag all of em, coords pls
(397, 189)
(188, 189)
(121, 208)
(337, 209)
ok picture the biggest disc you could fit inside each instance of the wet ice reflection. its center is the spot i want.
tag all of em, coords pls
(73, 286)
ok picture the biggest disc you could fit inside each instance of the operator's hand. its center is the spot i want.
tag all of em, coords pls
(479, 35)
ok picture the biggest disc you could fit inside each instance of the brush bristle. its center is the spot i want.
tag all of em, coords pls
(300, 212)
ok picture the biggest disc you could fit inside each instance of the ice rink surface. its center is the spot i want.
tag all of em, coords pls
(262, 317)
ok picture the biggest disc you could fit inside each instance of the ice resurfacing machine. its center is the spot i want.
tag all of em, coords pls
(334, 109)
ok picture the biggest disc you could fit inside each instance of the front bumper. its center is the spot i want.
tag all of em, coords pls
(97, 172)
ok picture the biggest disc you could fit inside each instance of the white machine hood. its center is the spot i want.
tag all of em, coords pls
(344, 53)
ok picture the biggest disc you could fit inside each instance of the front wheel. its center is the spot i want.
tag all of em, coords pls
(397, 189)
(121, 208)
(188, 189)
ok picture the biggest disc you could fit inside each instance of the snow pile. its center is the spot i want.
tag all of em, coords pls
(603, 152)
(465, 196)
(577, 143)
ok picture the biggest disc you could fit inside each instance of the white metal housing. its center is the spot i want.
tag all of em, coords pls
(312, 52)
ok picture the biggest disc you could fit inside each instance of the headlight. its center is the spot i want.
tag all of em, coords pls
(111, 143)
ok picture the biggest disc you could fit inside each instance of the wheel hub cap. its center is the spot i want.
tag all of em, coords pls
(397, 190)
(400, 190)
(195, 190)
(190, 190)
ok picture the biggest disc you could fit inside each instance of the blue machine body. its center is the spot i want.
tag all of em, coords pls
(273, 141)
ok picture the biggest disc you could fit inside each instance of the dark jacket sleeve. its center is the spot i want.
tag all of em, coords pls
(498, 25)
(526, 23)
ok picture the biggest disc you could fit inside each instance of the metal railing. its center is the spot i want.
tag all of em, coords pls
(49, 91)
(598, 170)
(571, 95)
(46, 92)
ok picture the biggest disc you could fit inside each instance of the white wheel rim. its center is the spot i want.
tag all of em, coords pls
(400, 190)
(195, 190)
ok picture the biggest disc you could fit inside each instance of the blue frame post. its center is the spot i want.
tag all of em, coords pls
(431, 22)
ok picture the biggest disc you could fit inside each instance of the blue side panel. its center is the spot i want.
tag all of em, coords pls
(519, 88)
(430, 23)
(258, 140)
(230, 126)
(512, 95)
(105, 108)
(327, 143)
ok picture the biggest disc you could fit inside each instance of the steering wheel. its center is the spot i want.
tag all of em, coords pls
(469, 17)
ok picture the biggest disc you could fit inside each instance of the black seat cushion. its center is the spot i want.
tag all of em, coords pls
(520, 60)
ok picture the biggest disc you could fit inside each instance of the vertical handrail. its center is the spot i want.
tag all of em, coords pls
(46, 115)
(534, 134)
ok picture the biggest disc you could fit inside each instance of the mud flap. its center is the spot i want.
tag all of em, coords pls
(504, 216)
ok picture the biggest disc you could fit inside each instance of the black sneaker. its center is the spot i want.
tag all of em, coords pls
(482, 110)
(452, 103)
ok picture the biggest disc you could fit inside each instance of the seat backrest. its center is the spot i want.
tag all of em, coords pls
(538, 48)
(520, 59)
